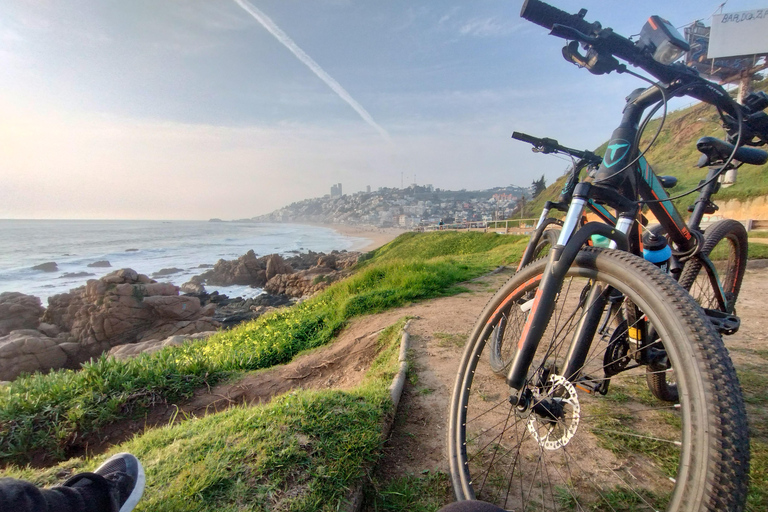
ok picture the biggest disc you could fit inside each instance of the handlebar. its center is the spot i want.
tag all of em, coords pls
(547, 145)
(604, 44)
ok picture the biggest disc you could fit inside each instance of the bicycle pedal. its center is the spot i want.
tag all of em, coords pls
(724, 323)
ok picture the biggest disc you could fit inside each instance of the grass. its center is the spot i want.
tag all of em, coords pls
(303, 451)
(446, 339)
(47, 413)
(415, 493)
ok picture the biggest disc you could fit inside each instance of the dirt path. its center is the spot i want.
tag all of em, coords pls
(418, 443)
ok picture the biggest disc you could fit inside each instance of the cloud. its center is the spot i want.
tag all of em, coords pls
(335, 86)
(488, 27)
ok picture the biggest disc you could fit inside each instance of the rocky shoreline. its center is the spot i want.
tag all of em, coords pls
(126, 313)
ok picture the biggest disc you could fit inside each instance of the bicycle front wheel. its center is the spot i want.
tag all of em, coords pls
(575, 448)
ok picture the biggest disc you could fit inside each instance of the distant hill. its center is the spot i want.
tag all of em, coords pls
(674, 153)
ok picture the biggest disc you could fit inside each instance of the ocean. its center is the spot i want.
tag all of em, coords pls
(145, 246)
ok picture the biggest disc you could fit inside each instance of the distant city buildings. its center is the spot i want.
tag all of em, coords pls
(367, 189)
(411, 207)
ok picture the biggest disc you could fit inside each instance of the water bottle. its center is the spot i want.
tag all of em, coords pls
(657, 250)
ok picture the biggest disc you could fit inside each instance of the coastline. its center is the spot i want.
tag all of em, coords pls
(371, 236)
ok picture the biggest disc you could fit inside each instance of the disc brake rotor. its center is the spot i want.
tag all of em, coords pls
(556, 432)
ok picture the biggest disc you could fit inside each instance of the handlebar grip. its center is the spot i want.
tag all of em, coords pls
(530, 139)
(547, 16)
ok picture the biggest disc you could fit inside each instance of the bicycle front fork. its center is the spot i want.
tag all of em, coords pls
(561, 258)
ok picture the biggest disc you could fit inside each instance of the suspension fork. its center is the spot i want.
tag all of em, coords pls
(541, 225)
(561, 258)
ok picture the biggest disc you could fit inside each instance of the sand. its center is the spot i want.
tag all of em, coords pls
(370, 237)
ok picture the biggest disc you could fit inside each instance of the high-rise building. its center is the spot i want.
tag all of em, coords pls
(336, 190)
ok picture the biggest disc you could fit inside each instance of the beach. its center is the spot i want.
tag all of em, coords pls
(371, 237)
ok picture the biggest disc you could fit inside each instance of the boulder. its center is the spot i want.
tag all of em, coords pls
(247, 270)
(124, 352)
(49, 266)
(167, 272)
(308, 282)
(69, 275)
(193, 288)
(19, 311)
(276, 265)
(174, 308)
(125, 307)
(100, 264)
(28, 351)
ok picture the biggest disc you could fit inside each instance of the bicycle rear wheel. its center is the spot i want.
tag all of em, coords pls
(574, 448)
(725, 244)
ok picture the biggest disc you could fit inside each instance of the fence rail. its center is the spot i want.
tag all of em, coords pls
(528, 226)
(507, 227)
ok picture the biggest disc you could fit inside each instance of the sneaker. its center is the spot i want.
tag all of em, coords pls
(126, 476)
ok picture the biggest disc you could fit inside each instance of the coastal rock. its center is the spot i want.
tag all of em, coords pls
(124, 352)
(167, 272)
(69, 275)
(304, 282)
(176, 308)
(49, 266)
(28, 351)
(247, 270)
(125, 307)
(192, 287)
(329, 269)
(100, 264)
(276, 265)
(231, 312)
(19, 311)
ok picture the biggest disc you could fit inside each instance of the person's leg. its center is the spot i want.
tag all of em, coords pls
(470, 506)
(115, 486)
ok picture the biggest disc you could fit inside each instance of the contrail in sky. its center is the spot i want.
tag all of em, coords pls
(335, 86)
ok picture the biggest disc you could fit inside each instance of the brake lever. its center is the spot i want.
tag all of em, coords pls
(566, 32)
(572, 55)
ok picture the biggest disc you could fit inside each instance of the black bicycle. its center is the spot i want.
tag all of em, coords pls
(712, 271)
(572, 424)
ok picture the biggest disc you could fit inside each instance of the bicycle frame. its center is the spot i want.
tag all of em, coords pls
(618, 190)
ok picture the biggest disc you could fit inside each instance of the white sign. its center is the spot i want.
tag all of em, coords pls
(738, 33)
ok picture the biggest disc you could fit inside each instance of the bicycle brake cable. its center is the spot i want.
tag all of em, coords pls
(656, 135)
(740, 119)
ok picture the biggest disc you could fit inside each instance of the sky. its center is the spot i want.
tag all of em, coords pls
(197, 109)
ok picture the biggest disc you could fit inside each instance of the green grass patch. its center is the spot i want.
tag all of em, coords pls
(757, 251)
(445, 339)
(426, 492)
(46, 413)
(757, 499)
(303, 451)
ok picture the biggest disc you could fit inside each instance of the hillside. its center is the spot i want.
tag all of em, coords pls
(674, 153)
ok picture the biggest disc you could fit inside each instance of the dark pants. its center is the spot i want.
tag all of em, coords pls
(21, 496)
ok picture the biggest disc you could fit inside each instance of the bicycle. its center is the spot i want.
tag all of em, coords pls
(716, 289)
(572, 425)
